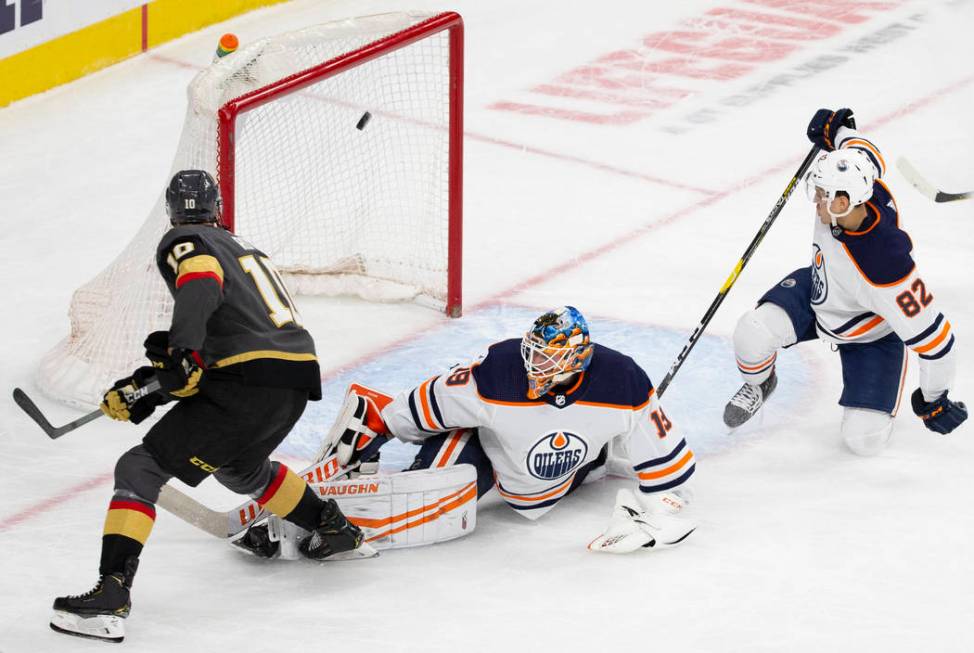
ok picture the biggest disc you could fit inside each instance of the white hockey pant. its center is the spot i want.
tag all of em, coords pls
(759, 335)
(866, 432)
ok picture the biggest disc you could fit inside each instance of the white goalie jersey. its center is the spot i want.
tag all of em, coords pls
(540, 449)
(865, 284)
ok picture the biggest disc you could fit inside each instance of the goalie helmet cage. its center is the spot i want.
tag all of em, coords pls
(342, 202)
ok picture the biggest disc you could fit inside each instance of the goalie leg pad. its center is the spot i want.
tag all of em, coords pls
(409, 508)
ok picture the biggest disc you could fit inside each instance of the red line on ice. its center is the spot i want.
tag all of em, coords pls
(570, 264)
(55, 501)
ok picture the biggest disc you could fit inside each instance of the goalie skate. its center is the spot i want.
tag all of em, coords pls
(748, 401)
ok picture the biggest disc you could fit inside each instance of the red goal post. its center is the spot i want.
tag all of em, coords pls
(338, 150)
(448, 21)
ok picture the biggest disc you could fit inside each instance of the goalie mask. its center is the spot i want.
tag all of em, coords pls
(193, 198)
(849, 171)
(556, 347)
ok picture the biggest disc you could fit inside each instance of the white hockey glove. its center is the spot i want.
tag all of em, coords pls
(634, 527)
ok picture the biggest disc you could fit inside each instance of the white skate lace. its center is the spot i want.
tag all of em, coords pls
(748, 398)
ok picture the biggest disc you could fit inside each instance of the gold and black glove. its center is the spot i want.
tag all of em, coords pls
(178, 370)
(127, 402)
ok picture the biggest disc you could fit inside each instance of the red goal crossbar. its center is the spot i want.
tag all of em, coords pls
(229, 112)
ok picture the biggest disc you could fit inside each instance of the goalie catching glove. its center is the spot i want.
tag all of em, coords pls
(178, 370)
(634, 527)
(128, 400)
(359, 424)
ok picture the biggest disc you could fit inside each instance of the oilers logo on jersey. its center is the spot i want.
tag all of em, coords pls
(820, 281)
(555, 455)
(539, 449)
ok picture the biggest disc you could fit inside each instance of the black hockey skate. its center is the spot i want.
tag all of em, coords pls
(98, 613)
(256, 541)
(333, 535)
(745, 404)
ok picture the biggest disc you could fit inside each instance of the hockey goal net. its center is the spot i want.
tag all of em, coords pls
(337, 149)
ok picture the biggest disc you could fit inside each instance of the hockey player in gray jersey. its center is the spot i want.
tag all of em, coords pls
(242, 368)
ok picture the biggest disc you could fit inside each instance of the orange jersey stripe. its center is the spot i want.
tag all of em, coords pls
(547, 495)
(425, 403)
(936, 341)
(454, 441)
(859, 142)
(868, 326)
(666, 471)
(649, 398)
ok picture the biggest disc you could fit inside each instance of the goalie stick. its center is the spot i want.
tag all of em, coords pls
(912, 175)
(54, 432)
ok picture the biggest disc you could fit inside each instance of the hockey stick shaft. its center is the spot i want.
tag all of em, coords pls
(232, 522)
(54, 432)
(736, 272)
(928, 190)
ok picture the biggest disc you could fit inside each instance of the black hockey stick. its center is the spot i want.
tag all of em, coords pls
(719, 299)
(927, 189)
(53, 432)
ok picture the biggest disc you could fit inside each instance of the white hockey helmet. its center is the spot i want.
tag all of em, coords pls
(849, 171)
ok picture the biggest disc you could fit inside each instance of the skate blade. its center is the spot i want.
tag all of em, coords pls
(365, 550)
(106, 628)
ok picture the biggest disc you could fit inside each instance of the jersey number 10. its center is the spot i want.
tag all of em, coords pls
(271, 287)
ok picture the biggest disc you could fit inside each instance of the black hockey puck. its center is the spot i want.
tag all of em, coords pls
(363, 121)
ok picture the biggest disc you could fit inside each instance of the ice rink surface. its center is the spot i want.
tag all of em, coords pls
(632, 202)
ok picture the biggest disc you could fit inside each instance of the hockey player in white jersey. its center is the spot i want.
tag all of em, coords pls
(535, 417)
(862, 292)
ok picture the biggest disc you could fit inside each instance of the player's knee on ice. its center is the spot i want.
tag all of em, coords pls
(866, 432)
(759, 334)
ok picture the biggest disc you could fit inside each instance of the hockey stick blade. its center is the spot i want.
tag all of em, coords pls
(53, 432)
(928, 190)
(35, 414)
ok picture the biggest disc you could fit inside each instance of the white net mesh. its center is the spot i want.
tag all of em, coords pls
(340, 210)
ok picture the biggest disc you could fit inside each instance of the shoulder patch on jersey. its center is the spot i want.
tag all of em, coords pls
(615, 380)
(501, 376)
(881, 252)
